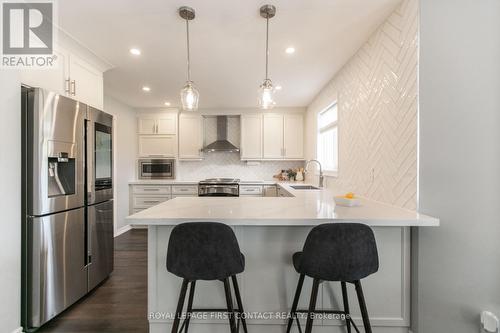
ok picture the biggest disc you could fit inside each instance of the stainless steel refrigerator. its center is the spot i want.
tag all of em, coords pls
(67, 203)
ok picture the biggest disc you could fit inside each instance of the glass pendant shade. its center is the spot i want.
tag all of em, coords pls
(190, 97)
(266, 95)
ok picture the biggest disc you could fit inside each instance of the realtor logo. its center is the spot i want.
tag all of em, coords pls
(28, 34)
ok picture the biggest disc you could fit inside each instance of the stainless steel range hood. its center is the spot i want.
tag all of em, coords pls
(221, 144)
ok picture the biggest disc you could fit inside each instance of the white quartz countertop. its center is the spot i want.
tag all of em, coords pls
(305, 208)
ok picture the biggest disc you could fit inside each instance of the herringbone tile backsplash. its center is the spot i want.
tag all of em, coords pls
(377, 95)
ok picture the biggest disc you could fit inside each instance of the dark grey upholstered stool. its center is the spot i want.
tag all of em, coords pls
(205, 251)
(345, 252)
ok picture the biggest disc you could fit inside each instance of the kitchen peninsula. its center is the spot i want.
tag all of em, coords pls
(269, 231)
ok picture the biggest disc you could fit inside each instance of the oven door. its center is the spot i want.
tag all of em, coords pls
(156, 169)
(218, 190)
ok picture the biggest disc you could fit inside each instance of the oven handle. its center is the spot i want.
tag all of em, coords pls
(218, 186)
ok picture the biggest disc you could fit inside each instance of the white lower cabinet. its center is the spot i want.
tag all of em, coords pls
(143, 196)
(250, 190)
(283, 193)
(157, 145)
(149, 201)
(270, 191)
(146, 196)
(185, 190)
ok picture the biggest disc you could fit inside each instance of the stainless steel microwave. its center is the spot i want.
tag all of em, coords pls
(156, 169)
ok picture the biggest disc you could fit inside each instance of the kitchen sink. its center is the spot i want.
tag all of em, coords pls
(304, 187)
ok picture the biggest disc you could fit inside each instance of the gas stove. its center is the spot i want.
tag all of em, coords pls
(219, 187)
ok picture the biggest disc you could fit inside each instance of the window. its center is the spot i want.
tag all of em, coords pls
(328, 134)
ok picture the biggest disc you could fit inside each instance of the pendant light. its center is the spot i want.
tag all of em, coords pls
(189, 94)
(266, 90)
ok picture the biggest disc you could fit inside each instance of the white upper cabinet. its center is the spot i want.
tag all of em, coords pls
(162, 124)
(293, 133)
(251, 136)
(55, 79)
(157, 134)
(273, 136)
(190, 136)
(85, 82)
(72, 77)
(157, 145)
(146, 125)
(167, 124)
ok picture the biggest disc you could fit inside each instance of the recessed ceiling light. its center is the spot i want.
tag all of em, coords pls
(290, 50)
(167, 103)
(146, 88)
(135, 51)
(278, 87)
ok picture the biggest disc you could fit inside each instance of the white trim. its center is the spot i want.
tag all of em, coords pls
(129, 227)
(18, 330)
(123, 230)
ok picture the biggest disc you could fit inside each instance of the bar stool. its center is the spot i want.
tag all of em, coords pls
(345, 252)
(205, 251)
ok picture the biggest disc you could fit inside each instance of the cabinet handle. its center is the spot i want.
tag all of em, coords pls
(151, 189)
(152, 201)
(73, 87)
(157, 128)
(66, 86)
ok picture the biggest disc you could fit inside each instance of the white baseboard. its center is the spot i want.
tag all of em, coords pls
(18, 330)
(122, 230)
(128, 227)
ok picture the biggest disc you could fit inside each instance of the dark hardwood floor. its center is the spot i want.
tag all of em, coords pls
(120, 303)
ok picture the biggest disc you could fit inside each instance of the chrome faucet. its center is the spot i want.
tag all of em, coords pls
(321, 178)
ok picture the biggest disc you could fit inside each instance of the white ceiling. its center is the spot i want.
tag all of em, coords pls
(227, 46)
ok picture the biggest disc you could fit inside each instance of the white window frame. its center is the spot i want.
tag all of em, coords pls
(329, 126)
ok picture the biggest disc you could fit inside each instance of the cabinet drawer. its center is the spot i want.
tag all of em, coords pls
(250, 190)
(185, 189)
(151, 189)
(184, 195)
(149, 201)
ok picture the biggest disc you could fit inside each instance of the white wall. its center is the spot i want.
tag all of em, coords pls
(376, 93)
(10, 200)
(459, 262)
(125, 155)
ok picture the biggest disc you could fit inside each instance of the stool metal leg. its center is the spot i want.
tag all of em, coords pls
(180, 305)
(362, 306)
(346, 306)
(229, 301)
(312, 306)
(190, 305)
(293, 312)
(240, 303)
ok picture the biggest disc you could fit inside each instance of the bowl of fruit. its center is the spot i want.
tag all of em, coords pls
(348, 200)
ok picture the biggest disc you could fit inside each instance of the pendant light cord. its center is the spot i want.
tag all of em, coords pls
(267, 46)
(188, 55)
